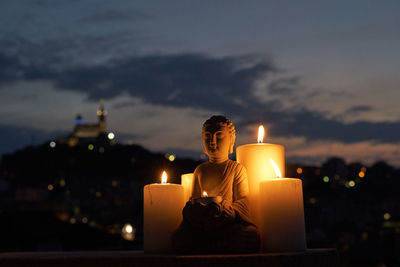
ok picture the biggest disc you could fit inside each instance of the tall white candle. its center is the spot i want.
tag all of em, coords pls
(187, 182)
(162, 214)
(255, 158)
(282, 215)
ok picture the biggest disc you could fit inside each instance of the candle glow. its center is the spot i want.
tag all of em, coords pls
(276, 169)
(255, 158)
(164, 178)
(260, 134)
(205, 194)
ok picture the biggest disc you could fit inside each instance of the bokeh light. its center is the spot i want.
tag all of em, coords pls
(111, 136)
(128, 232)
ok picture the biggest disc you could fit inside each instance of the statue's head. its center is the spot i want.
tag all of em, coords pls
(218, 137)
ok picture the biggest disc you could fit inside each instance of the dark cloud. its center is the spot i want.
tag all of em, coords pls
(315, 126)
(358, 109)
(199, 81)
(11, 69)
(284, 86)
(114, 15)
(185, 80)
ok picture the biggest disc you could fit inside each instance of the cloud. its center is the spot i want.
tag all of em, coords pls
(11, 70)
(188, 80)
(358, 109)
(114, 15)
(198, 81)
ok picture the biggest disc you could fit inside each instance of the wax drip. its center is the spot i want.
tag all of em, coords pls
(151, 198)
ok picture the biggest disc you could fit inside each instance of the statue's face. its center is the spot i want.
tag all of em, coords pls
(216, 141)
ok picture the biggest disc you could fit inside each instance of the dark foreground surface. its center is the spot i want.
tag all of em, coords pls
(311, 257)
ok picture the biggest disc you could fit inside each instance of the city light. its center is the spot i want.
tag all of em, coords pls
(128, 232)
(171, 157)
(84, 219)
(325, 179)
(361, 174)
(387, 216)
(363, 169)
(62, 182)
(111, 136)
(90, 147)
(101, 149)
(72, 220)
(364, 236)
(299, 170)
(352, 183)
(312, 200)
(50, 187)
(52, 144)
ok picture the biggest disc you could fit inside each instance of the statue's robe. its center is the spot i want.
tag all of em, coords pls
(224, 227)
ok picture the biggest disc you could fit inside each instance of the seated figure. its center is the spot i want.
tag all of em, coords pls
(224, 225)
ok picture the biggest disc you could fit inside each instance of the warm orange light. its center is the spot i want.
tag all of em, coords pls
(205, 194)
(361, 174)
(260, 134)
(299, 170)
(276, 169)
(164, 178)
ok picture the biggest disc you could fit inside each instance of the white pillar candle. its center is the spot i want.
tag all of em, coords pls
(162, 214)
(255, 158)
(187, 182)
(282, 215)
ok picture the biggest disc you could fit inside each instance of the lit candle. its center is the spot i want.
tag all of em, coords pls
(187, 182)
(255, 158)
(205, 199)
(162, 214)
(282, 214)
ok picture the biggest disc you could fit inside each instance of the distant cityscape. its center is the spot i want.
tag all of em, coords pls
(84, 191)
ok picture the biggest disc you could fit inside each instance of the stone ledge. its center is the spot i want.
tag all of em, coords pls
(309, 258)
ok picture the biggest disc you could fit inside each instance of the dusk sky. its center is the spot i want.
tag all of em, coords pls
(322, 76)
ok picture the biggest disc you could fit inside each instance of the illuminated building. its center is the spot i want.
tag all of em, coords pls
(85, 132)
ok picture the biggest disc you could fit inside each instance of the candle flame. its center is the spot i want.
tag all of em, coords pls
(260, 134)
(276, 169)
(205, 194)
(164, 178)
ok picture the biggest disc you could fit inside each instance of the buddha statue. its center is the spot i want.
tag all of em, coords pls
(221, 225)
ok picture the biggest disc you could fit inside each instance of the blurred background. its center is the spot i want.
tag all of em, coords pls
(97, 98)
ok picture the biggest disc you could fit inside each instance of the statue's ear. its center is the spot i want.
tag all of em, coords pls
(233, 137)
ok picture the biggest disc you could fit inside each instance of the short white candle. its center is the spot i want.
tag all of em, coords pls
(162, 214)
(187, 182)
(282, 215)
